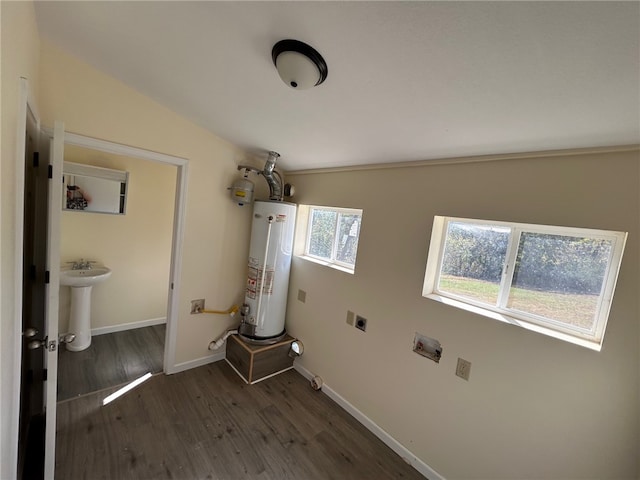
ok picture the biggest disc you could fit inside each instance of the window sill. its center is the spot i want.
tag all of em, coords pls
(590, 344)
(327, 264)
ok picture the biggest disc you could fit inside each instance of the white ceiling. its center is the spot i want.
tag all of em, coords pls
(407, 80)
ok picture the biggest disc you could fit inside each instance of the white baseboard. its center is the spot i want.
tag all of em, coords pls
(128, 326)
(198, 362)
(387, 439)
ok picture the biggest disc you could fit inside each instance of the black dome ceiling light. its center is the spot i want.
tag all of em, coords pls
(299, 65)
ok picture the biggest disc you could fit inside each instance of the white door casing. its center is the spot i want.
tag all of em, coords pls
(52, 300)
(182, 165)
(58, 138)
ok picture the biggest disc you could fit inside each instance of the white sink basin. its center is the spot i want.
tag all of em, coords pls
(85, 277)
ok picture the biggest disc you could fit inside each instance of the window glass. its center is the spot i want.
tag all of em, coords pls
(560, 277)
(332, 236)
(348, 231)
(474, 256)
(323, 229)
(558, 281)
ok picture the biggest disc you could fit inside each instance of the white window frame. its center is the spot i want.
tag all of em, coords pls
(332, 262)
(589, 338)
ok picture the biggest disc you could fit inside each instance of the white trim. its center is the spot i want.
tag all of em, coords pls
(374, 428)
(261, 378)
(120, 149)
(501, 317)
(56, 158)
(182, 165)
(128, 326)
(198, 362)
(236, 370)
(324, 263)
(268, 376)
(476, 159)
(176, 268)
(12, 411)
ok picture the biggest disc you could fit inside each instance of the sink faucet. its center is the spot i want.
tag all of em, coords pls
(81, 264)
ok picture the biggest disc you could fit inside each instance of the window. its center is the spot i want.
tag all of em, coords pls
(554, 280)
(332, 236)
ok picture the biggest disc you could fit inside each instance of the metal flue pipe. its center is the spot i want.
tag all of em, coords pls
(275, 185)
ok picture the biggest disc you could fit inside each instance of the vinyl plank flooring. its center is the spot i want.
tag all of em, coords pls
(206, 423)
(111, 359)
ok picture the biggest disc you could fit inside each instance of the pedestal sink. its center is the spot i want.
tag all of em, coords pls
(81, 281)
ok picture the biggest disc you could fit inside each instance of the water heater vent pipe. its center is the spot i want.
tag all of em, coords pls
(276, 188)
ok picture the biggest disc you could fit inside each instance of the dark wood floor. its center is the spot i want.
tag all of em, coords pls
(206, 423)
(111, 360)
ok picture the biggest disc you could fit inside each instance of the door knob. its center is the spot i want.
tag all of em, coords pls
(66, 338)
(51, 346)
(35, 344)
(30, 332)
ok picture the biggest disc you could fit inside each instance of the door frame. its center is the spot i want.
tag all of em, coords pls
(27, 106)
(60, 139)
(182, 165)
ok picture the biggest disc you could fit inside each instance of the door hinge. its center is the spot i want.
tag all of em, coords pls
(32, 272)
(171, 285)
(50, 171)
(46, 276)
(44, 375)
(36, 159)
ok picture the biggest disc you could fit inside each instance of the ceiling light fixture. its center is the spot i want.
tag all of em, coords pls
(299, 65)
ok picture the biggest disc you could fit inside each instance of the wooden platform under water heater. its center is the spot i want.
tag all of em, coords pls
(257, 362)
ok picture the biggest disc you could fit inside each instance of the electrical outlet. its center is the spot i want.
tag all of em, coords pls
(197, 306)
(463, 369)
(361, 323)
(302, 296)
(350, 316)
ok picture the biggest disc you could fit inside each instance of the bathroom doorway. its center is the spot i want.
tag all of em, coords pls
(130, 331)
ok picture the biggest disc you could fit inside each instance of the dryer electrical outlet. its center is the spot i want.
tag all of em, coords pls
(361, 323)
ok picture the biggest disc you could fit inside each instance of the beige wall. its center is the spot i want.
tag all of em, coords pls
(136, 246)
(216, 236)
(19, 56)
(534, 407)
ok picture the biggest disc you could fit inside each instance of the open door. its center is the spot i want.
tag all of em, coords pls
(34, 211)
(40, 212)
(56, 146)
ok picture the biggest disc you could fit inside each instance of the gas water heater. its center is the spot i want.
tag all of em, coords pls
(270, 251)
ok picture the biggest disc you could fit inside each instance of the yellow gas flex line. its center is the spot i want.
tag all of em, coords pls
(232, 311)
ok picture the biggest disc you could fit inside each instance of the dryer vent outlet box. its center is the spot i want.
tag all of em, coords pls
(427, 347)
